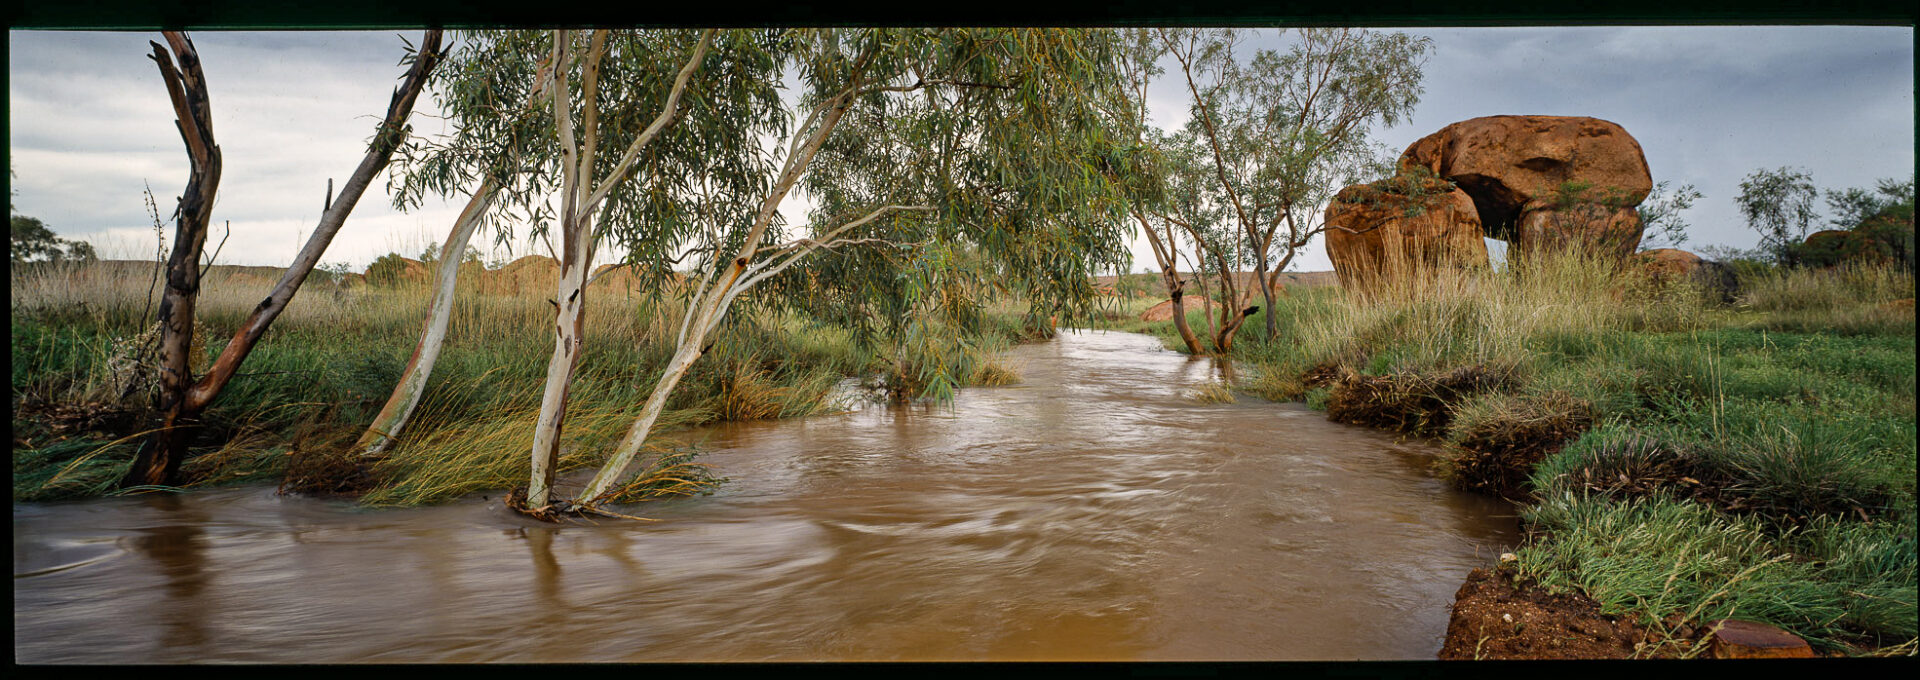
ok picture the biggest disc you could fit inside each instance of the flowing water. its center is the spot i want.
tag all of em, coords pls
(1091, 512)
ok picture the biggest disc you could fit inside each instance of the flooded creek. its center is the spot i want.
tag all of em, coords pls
(1090, 512)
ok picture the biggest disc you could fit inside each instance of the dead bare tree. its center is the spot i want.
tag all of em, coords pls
(157, 462)
(182, 399)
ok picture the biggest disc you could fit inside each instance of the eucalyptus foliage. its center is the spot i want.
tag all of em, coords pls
(705, 168)
(1779, 205)
(1005, 134)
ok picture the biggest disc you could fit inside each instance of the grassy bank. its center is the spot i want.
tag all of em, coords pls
(1677, 459)
(82, 383)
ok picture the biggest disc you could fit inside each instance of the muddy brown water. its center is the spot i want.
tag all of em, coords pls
(1091, 512)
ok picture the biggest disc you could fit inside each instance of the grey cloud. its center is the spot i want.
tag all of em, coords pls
(89, 119)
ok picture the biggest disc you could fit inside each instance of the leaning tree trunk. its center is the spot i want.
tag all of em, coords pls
(413, 380)
(183, 407)
(1170, 275)
(158, 461)
(715, 293)
(400, 406)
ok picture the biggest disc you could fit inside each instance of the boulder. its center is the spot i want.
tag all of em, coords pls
(394, 270)
(1734, 639)
(1164, 310)
(1512, 166)
(1835, 247)
(1669, 265)
(1394, 227)
(1600, 229)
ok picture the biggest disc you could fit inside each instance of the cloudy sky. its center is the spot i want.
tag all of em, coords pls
(90, 126)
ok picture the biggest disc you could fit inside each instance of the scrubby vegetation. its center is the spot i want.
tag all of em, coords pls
(1675, 457)
(82, 389)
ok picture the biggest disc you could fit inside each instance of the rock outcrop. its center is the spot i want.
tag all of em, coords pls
(1734, 639)
(530, 274)
(1542, 181)
(1393, 228)
(1670, 264)
(1835, 247)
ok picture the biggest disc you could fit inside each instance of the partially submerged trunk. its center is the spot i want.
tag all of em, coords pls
(580, 197)
(568, 323)
(716, 291)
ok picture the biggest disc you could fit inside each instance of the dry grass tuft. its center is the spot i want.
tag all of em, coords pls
(1211, 392)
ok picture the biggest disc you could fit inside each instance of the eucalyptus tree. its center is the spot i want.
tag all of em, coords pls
(1214, 249)
(1779, 204)
(1660, 213)
(1287, 130)
(918, 145)
(620, 137)
(183, 398)
(1147, 188)
(393, 416)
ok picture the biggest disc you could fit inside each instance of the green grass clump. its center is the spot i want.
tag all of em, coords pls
(1656, 556)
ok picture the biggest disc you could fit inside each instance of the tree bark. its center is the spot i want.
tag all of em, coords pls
(1266, 292)
(710, 302)
(1170, 275)
(158, 461)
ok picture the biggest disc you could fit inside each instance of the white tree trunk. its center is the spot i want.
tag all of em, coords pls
(570, 299)
(413, 382)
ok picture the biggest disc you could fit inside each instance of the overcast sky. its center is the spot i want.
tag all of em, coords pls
(90, 125)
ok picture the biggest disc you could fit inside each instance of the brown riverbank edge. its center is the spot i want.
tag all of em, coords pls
(1499, 616)
(1496, 617)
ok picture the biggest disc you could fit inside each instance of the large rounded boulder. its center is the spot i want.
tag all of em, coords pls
(1394, 228)
(1668, 266)
(1543, 180)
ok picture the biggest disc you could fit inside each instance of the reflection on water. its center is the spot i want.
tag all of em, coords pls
(1089, 512)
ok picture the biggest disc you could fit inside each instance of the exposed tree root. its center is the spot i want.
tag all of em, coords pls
(561, 510)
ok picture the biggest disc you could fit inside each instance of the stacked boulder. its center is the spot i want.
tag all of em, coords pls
(1387, 230)
(1539, 183)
